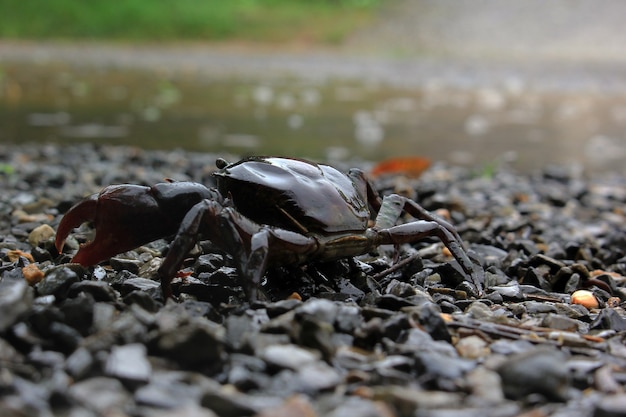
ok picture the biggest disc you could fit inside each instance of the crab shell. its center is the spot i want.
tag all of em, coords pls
(296, 195)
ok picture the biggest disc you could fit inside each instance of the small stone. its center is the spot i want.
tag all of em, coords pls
(428, 315)
(288, 356)
(174, 389)
(441, 368)
(231, 403)
(120, 264)
(40, 234)
(57, 282)
(511, 292)
(479, 311)
(32, 274)
(16, 299)
(609, 319)
(472, 347)
(106, 396)
(355, 406)
(536, 371)
(99, 290)
(559, 322)
(296, 405)
(317, 376)
(486, 385)
(187, 410)
(79, 363)
(195, 342)
(129, 363)
(407, 400)
(208, 263)
(321, 309)
(611, 406)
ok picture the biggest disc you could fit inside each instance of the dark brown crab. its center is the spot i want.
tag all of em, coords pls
(265, 211)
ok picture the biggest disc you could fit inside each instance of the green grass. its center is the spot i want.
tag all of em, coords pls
(324, 21)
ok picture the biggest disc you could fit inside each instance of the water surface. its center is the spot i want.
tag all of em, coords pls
(321, 118)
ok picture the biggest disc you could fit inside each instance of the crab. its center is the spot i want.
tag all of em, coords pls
(265, 211)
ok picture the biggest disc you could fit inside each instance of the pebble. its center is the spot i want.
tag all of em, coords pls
(288, 356)
(89, 341)
(101, 395)
(537, 371)
(40, 234)
(16, 299)
(129, 363)
(57, 282)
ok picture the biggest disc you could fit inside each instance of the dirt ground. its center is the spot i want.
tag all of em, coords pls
(529, 30)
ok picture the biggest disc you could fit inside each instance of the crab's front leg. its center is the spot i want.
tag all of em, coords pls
(252, 246)
(428, 225)
(202, 216)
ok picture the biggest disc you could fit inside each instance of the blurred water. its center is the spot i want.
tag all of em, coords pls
(321, 118)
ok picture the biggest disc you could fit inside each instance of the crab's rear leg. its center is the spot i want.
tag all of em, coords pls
(428, 225)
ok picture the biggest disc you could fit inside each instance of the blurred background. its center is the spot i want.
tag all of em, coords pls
(472, 83)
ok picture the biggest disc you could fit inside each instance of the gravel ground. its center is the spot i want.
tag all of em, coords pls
(101, 341)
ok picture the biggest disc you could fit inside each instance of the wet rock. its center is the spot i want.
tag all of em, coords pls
(609, 319)
(611, 406)
(247, 372)
(428, 315)
(559, 322)
(57, 282)
(79, 363)
(441, 371)
(193, 342)
(242, 330)
(510, 292)
(101, 395)
(129, 363)
(125, 264)
(361, 407)
(537, 371)
(139, 284)
(188, 410)
(228, 403)
(407, 400)
(99, 290)
(288, 356)
(208, 263)
(315, 377)
(348, 319)
(297, 405)
(16, 298)
(173, 390)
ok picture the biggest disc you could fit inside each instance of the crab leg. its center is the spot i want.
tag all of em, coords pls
(252, 246)
(392, 208)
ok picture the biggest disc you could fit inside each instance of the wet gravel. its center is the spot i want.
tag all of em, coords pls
(337, 339)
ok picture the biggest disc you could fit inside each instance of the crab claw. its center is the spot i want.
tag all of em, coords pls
(124, 217)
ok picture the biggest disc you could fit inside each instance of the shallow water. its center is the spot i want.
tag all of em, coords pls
(316, 118)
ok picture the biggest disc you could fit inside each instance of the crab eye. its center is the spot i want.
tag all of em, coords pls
(221, 163)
